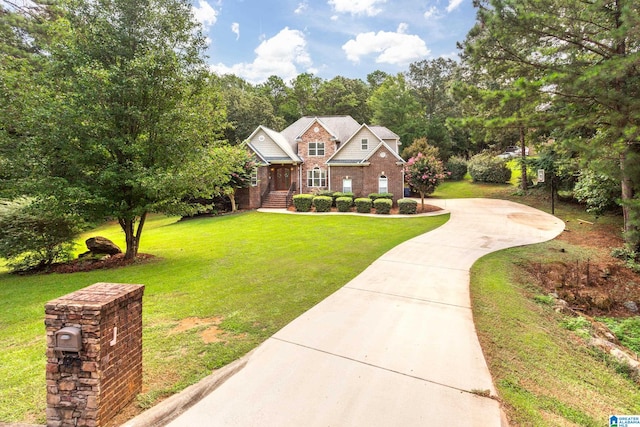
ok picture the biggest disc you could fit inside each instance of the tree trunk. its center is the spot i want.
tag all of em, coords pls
(523, 164)
(422, 197)
(631, 234)
(132, 235)
(232, 197)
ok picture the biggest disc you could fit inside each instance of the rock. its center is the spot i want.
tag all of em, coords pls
(102, 245)
(631, 306)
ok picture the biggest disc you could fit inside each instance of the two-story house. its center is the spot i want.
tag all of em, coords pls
(333, 153)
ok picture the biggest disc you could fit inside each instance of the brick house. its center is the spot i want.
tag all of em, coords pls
(333, 153)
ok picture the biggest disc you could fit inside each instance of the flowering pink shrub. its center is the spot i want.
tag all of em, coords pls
(424, 173)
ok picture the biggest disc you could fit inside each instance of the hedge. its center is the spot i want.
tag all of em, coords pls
(375, 196)
(383, 206)
(303, 202)
(363, 205)
(344, 204)
(407, 206)
(485, 167)
(457, 167)
(322, 203)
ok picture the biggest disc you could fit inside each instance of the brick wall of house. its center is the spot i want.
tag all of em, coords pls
(89, 387)
(365, 178)
(310, 162)
(250, 197)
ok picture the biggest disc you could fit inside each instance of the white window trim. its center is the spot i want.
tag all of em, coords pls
(317, 145)
(382, 179)
(348, 189)
(316, 176)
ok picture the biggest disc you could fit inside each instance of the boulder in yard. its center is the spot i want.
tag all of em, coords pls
(102, 245)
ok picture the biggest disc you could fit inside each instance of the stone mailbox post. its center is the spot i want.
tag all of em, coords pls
(94, 353)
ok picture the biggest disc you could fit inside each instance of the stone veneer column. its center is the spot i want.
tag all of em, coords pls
(89, 387)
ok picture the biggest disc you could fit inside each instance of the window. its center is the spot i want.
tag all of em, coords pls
(383, 184)
(254, 177)
(316, 178)
(316, 148)
(346, 186)
(364, 143)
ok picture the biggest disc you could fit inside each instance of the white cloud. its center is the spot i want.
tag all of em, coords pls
(302, 7)
(391, 48)
(431, 13)
(280, 55)
(357, 7)
(205, 14)
(235, 29)
(453, 4)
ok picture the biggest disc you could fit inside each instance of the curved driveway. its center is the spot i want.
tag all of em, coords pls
(396, 346)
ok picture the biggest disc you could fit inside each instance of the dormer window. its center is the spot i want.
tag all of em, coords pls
(364, 143)
(316, 148)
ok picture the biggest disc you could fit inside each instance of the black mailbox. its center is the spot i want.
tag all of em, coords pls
(68, 339)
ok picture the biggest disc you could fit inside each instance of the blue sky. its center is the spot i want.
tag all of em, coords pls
(254, 39)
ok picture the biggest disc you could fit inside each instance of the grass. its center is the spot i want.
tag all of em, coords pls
(544, 372)
(247, 275)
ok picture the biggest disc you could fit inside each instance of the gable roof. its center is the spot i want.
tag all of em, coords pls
(379, 132)
(340, 128)
(279, 140)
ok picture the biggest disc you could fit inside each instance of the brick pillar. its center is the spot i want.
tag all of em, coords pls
(87, 388)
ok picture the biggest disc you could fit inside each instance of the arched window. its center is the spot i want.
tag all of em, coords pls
(383, 184)
(316, 177)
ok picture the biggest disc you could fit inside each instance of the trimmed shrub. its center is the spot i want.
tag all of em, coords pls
(376, 196)
(383, 206)
(407, 206)
(322, 203)
(344, 204)
(340, 194)
(485, 167)
(363, 205)
(457, 168)
(303, 202)
(325, 193)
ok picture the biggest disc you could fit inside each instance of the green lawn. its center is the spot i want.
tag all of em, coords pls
(247, 274)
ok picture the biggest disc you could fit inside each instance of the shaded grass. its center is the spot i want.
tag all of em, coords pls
(254, 271)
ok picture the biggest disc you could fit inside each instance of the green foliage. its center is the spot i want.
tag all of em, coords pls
(382, 206)
(322, 203)
(343, 204)
(407, 206)
(626, 330)
(324, 193)
(599, 191)
(35, 233)
(375, 196)
(420, 145)
(303, 202)
(424, 173)
(340, 194)
(485, 167)
(363, 204)
(457, 168)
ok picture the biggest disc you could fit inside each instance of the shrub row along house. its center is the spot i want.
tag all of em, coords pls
(333, 153)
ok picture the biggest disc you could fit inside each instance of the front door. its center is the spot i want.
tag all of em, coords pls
(282, 178)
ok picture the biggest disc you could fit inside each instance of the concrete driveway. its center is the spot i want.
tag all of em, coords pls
(396, 346)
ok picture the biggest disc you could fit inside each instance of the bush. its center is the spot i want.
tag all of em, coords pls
(324, 193)
(598, 191)
(36, 232)
(376, 196)
(363, 205)
(338, 194)
(485, 167)
(303, 202)
(407, 206)
(344, 204)
(322, 203)
(383, 206)
(457, 167)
